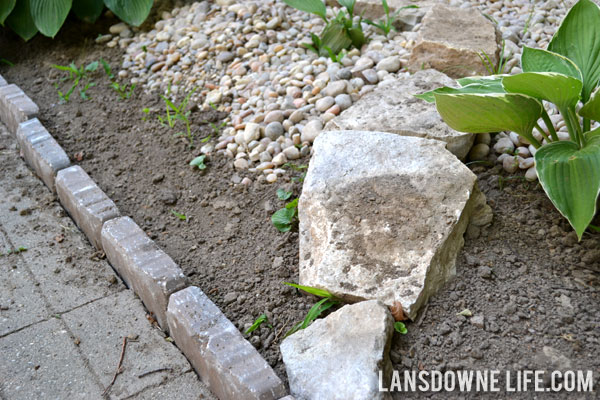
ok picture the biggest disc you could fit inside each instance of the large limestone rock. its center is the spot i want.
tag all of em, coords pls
(339, 357)
(382, 216)
(450, 40)
(392, 107)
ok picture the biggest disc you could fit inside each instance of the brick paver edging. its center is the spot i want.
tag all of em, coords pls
(229, 365)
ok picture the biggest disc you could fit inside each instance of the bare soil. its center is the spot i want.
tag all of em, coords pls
(526, 274)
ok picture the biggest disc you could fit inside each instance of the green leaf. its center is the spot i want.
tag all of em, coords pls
(349, 4)
(578, 39)
(179, 215)
(282, 194)
(559, 89)
(262, 318)
(538, 60)
(292, 204)
(477, 113)
(400, 327)
(591, 109)
(316, 310)
(6, 7)
(357, 36)
(335, 37)
(316, 7)
(490, 80)
(21, 22)
(91, 67)
(311, 290)
(571, 178)
(282, 219)
(473, 88)
(198, 162)
(88, 10)
(134, 12)
(49, 15)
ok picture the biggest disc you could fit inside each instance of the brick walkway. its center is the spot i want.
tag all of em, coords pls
(63, 313)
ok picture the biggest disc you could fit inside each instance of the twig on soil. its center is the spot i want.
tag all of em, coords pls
(155, 371)
(119, 369)
(282, 328)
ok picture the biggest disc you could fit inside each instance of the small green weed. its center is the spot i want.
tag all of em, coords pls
(298, 168)
(182, 217)
(5, 61)
(199, 162)
(324, 304)
(386, 25)
(489, 65)
(176, 113)
(146, 111)
(124, 91)
(14, 251)
(400, 328)
(259, 321)
(285, 218)
(77, 76)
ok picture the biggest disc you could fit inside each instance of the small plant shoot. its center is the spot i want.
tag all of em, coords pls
(259, 321)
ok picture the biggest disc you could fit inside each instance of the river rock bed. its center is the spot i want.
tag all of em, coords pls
(246, 58)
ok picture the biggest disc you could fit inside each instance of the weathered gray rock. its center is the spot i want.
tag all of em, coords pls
(382, 216)
(393, 108)
(339, 357)
(451, 39)
(3, 81)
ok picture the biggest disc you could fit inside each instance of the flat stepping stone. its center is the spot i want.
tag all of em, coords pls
(392, 107)
(382, 216)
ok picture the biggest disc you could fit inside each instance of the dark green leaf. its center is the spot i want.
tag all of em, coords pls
(134, 12)
(316, 7)
(6, 6)
(335, 37)
(88, 10)
(311, 290)
(282, 194)
(559, 89)
(578, 39)
(538, 60)
(282, 219)
(349, 4)
(591, 109)
(571, 178)
(21, 22)
(259, 321)
(472, 88)
(49, 15)
(316, 310)
(357, 36)
(478, 113)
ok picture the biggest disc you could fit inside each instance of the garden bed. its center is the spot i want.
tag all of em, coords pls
(534, 285)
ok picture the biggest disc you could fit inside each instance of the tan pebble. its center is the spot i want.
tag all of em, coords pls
(271, 178)
(299, 103)
(335, 110)
(316, 91)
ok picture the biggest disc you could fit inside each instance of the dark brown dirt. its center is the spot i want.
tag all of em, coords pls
(526, 274)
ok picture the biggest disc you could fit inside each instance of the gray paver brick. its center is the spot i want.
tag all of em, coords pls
(15, 107)
(21, 303)
(101, 340)
(148, 270)
(184, 387)
(226, 362)
(41, 151)
(89, 206)
(40, 362)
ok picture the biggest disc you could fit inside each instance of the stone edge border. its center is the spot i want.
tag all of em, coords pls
(226, 362)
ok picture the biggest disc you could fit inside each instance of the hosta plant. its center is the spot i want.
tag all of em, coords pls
(566, 74)
(27, 17)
